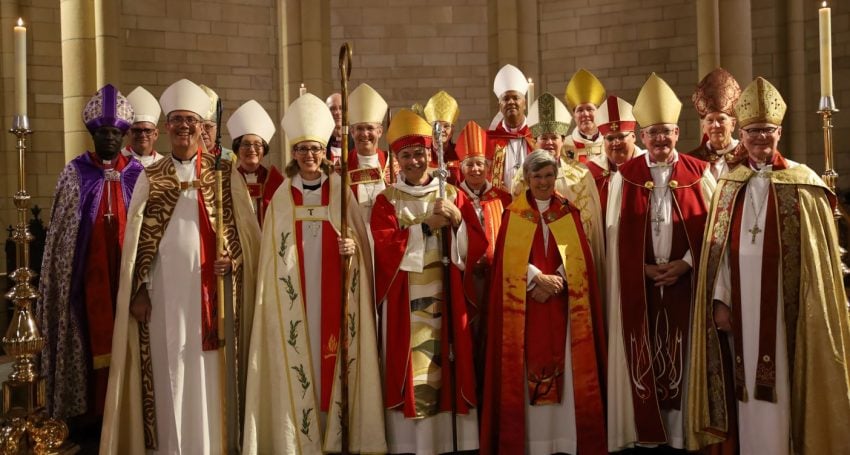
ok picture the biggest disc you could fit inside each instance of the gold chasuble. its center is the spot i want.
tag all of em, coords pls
(292, 403)
(812, 299)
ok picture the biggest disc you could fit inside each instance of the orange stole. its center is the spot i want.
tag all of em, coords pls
(503, 420)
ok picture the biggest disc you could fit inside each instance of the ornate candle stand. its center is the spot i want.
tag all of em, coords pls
(26, 425)
(826, 109)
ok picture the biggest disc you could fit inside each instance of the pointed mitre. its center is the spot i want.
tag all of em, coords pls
(583, 88)
(509, 78)
(145, 105)
(213, 97)
(408, 129)
(471, 142)
(365, 105)
(760, 102)
(614, 115)
(441, 107)
(251, 118)
(308, 119)
(108, 107)
(184, 95)
(656, 103)
(718, 91)
(548, 115)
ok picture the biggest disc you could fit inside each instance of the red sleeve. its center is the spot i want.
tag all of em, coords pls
(390, 244)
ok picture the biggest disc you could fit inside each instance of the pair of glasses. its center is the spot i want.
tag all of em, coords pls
(178, 120)
(142, 131)
(666, 132)
(616, 137)
(756, 132)
(314, 149)
(256, 146)
(209, 126)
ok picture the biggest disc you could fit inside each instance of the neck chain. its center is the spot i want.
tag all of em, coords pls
(755, 229)
(658, 210)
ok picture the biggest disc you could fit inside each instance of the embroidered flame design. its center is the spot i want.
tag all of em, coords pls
(331, 347)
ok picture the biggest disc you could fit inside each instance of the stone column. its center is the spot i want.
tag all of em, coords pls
(514, 28)
(736, 39)
(79, 70)
(800, 109)
(106, 42)
(708, 39)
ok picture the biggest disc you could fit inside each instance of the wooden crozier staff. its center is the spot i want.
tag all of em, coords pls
(345, 73)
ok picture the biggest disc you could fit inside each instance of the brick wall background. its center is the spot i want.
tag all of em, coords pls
(408, 50)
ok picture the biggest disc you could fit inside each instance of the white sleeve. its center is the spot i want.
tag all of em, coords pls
(460, 246)
(723, 284)
(414, 254)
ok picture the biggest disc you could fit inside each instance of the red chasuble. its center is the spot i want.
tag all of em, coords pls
(497, 143)
(367, 174)
(392, 284)
(261, 192)
(102, 272)
(526, 339)
(641, 303)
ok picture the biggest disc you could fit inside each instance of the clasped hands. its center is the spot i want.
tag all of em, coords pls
(445, 213)
(666, 274)
(546, 286)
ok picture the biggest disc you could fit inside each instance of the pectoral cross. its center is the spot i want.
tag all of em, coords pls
(110, 175)
(754, 231)
(656, 221)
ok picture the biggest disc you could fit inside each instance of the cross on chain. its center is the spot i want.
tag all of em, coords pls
(754, 231)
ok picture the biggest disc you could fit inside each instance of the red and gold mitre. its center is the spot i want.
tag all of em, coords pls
(718, 91)
(406, 129)
(614, 115)
(471, 142)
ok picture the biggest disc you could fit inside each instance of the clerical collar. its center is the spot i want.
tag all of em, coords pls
(182, 161)
(407, 182)
(513, 130)
(674, 156)
(589, 138)
(311, 187)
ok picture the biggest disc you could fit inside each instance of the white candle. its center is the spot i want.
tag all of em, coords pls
(530, 92)
(825, 23)
(20, 68)
(302, 90)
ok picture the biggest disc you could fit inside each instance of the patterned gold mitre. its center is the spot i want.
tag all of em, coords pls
(407, 128)
(308, 119)
(656, 103)
(760, 102)
(718, 91)
(548, 115)
(213, 96)
(366, 105)
(584, 87)
(471, 142)
(442, 107)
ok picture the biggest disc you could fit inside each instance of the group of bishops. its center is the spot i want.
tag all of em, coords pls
(524, 288)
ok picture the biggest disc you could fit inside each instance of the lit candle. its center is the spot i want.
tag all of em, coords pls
(530, 92)
(302, 90)
(21, 68)
(825, 22)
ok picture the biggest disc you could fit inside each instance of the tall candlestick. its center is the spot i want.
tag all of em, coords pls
(20, 68)
(530, 93)
(302, 90)
(825, 23)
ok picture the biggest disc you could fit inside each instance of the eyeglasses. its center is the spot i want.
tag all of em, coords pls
(257, 146)
(617, 137)
(142, 131)
(756, 132)
(666, 132)
(209, 126)
(178, 120)
(314, 149)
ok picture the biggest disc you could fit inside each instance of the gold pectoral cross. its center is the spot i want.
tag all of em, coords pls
(754, 231)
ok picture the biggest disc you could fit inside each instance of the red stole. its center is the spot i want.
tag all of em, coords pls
(331, 297)
(497, 142)
(601, 177)
(649, 394)
(392, 284)
(482, 239)
(367, 174)
(209, 299)
(268, 180)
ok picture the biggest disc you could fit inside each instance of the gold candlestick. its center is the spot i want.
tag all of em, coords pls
(25, 420)
(826, 109)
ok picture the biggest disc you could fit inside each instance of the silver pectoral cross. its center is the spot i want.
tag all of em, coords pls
(656, 221)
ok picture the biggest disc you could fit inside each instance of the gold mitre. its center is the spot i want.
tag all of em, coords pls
(408, 129)
(656, 103)
(584, 87)
(365, 105)
(308, 119)
(760, 102)
(471, 142)
(548, 115)
(442, 107)
(718, 91)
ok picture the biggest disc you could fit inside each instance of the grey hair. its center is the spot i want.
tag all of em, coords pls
(536, 161)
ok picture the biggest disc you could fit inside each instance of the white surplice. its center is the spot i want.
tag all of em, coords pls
(763, 426)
